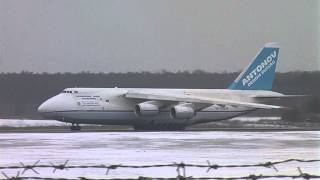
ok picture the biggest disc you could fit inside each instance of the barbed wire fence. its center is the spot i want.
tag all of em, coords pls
(181, 169)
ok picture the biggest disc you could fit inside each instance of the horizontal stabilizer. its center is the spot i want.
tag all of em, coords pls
(281, 96)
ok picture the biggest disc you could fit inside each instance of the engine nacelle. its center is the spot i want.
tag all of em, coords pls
(148, 108)
(183, 111)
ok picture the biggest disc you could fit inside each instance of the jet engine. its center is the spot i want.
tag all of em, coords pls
(148, 108)
(183, 111)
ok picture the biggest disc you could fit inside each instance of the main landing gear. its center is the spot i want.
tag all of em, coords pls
(75, 127)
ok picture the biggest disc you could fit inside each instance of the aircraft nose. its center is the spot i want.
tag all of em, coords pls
(57, 103)
(44, 107)
(47, 106)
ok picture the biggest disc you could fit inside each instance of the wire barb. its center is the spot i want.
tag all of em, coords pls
(111, 167)
(13, 177)
(211, 166)
(303, 175)
(30, 167)
(270, 165)
(179, 167)
(60, 166)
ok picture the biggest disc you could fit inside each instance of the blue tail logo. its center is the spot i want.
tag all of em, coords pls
(259, 74)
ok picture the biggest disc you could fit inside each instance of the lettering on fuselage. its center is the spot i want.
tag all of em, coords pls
(89, 100)
(261, 69)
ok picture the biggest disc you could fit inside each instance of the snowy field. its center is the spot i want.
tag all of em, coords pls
(29, 123)
(145, 148)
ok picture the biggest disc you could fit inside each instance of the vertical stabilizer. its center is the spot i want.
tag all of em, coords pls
(259, 74)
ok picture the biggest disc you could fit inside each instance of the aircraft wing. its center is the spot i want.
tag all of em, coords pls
(196, 99)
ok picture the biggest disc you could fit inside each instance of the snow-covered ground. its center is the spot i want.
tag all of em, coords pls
(28, 123)
(254, 119)
(137, 148)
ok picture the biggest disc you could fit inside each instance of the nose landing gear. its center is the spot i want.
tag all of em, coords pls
(75, 127)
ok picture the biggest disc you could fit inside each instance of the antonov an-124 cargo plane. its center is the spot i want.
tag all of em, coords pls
(168, 109)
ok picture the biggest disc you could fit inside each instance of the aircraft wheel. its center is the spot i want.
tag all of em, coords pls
(75, 127)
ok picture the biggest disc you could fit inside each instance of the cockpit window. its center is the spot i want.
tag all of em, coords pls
(69, 92)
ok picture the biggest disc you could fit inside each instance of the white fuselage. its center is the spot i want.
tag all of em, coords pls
(108, 106)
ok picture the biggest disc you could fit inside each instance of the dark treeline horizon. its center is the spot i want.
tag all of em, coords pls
(21, 93)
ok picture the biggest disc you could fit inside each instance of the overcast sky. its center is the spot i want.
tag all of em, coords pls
(155, 35)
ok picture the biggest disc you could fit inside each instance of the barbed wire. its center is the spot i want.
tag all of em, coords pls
(249, 177)
(180, 169)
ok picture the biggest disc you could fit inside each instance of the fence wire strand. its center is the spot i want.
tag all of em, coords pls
(180, 169)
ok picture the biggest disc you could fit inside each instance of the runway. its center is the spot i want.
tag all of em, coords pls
(249, 124)
(141, 148)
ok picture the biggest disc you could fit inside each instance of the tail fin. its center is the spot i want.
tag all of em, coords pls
(259, 74)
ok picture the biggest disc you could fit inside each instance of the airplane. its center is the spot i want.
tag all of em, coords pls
(168, 109)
